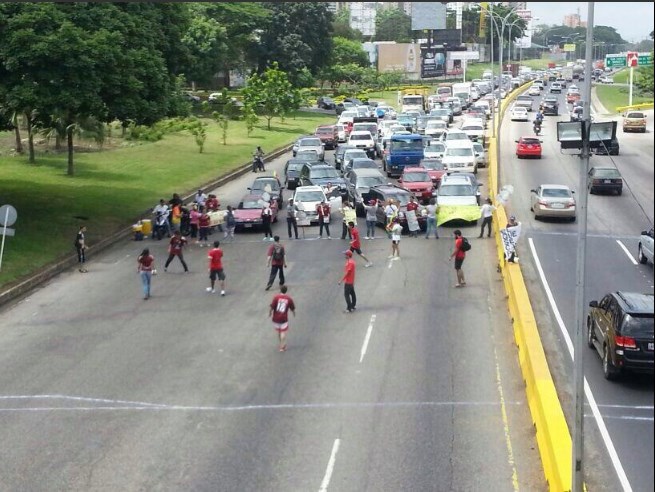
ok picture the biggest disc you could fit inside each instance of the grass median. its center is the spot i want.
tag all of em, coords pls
(113, 187)
(616, 96)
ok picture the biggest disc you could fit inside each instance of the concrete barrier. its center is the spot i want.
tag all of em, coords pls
(621, 109)
(552, 432)
(70, 260)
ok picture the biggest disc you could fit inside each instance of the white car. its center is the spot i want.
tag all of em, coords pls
(645, 251)
(307, 198)
(474, 129)
(347, 117)
(309, 143)
(480, 155)
(434, 150)
(363, 140)
(604, 79)
(519, 114)
(435, 128)
(215, 96)
(534, 90)
(341, 131)
(455, 135)
(456, 190)
(484, 104)
(460, 157)
(553, 200)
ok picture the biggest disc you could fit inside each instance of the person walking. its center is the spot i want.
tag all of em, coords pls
(356, 243)
(215, 256)
(292, 218)
(323, 210)
(204, 226)
(175, 246)
(371, 210)
(459, 254)
(277, 260)
(396, 234)
(267, 218)
(431, 210)
(348, 281)
(486, 211)
(279, 309)
(230, 224)
(145, 265)
(80, 247)
(176, 217)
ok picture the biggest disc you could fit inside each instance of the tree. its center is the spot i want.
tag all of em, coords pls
(393, 24)
(206, 40)
(250, 117)
(644, 80)
(346, 51)
(341, 26)
(270, 93)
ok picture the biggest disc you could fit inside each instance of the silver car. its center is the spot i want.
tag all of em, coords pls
(553, 200)
(645, 252)
(309, 143)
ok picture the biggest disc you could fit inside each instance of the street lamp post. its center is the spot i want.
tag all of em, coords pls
(511, 29)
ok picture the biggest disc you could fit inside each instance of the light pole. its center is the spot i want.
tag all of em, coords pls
(511, 30)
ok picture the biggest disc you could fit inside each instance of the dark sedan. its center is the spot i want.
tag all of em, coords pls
(620, 328)
(611, 149)
(326, 103)
(605, 179)
(550, 106)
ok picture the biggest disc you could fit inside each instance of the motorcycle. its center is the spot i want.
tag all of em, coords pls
(257, 164)
(536, 126)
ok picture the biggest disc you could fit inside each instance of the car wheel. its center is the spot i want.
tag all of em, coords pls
(572, 219)
(619, 191)
(609, 371)
(642, 257)
(592, 190)
(590, 333)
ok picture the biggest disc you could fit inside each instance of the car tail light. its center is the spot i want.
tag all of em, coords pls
(543, 203)
(626, 342)
(570, 203)
(596, 181)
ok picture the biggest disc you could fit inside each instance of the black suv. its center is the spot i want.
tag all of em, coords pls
(324, 102)
(383, 193)
(620, 328)
(550, 106)
(321, 175)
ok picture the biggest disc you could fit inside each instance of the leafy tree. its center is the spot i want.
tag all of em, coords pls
(223, 117)
(200, 134)
(644, 80)
(341, 26)
(393, 24)
(206, 40)
(297, 36)
(250, 117)
(270, 93)
(346, 51)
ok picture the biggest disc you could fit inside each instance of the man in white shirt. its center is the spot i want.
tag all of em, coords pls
(486, 211)
(161, 225)
(200, 199)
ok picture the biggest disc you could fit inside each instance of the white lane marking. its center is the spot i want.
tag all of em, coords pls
(367, 338)
(330, 466)
(618, 467)
(632, 258)
(503, 412)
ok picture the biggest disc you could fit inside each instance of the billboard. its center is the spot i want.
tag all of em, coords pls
(428, 15)
(402, 57)
(570, 47)
(433, 61)
(451, 37)
(526, 40)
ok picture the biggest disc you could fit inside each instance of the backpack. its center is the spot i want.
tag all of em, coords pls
(466, 245)
(278, 253)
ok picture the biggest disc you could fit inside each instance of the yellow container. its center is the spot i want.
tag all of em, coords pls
(146, 227)
(137, 228)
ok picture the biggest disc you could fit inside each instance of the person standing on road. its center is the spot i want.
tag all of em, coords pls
(459, 254)
(348, 281)
(371, 211)
(412, 222)
(215, 256)
(277, 260)
(349, 214)
(230, 224)
(267, 218)
(396, 234)
(486, 211)
(390, 211)
(323, 210)
(80, 247)
(194, 217)
(356, 243)
(292, 218)
(175, 249)
(431, 219)
(204, 226)
(279, 309)
(145, 265)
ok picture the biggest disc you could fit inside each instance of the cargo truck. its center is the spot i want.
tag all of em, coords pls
(463, 92)
(415, 99)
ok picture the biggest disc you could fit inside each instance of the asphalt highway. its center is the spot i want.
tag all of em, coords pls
(418, 390)
(624, 409)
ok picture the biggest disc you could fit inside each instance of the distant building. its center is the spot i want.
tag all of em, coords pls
(573, 20)
(362, 17)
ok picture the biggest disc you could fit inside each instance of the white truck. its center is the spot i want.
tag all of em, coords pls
(463, 91)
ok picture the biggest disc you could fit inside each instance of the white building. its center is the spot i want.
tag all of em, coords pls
(362, 17)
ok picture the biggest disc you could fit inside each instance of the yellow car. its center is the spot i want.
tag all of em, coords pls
(634, 121)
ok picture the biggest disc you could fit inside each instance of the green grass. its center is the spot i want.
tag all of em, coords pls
(614, 96)
(622, 77)
(475, 70)
(112, 188)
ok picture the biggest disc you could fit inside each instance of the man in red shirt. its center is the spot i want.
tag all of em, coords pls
(459, 254)
(323, 210)
(348, 281)
(279, 311)
(356, 244)
(215, 256)
(412, 206)
(175, 249)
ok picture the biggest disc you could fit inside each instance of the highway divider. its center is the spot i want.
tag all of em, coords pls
(621, 109)
(552, 432)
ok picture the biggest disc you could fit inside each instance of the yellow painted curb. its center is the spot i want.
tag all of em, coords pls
(621, 109)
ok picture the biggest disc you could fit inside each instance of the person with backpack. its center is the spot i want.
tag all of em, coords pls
(230, 223)
(462, 245)
(277, 260)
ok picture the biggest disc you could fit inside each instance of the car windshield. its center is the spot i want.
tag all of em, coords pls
(439, 112)
(457, 136)
(307, 154)
(250, 205)
(309, 196)
(402, 198)
(368, 181)
(265, 184)
(363, 136)
(478, 147)
(325, 131)
(472, 128)
(435, 148)
(635, 325)
(417, 100)
(406, 144)
(463, 152)
(416, 177)
(456, 190)
(556, 193)
(435, 124)
(310, 142)
(606, 173)
(295, 166)
(364, 163)
(635, 115)
(325, 172)
(341, 149)
(353, 154)
(433, 165)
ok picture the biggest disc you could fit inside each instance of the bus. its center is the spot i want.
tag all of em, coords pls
(405, 150)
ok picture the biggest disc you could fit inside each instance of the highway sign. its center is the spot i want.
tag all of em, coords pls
(644, 59)
(8, 215)
(632, 58)
(615, 61)
(7, 231)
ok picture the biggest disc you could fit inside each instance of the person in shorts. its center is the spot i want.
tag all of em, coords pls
(396, 233)
(215, 256)
(459, 254)
(356, 243)
(279, 309)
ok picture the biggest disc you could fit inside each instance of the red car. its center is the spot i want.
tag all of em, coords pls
(248, 214)
(528, 147)
(417, 181)
(328, 135)
(435, 168)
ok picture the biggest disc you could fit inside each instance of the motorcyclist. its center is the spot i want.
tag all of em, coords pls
(536, 126)
(539, 116)
(258, 160)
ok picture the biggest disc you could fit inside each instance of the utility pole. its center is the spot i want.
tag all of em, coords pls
(582, 212)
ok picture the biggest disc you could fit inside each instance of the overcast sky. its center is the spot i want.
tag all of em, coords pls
(632, 20)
